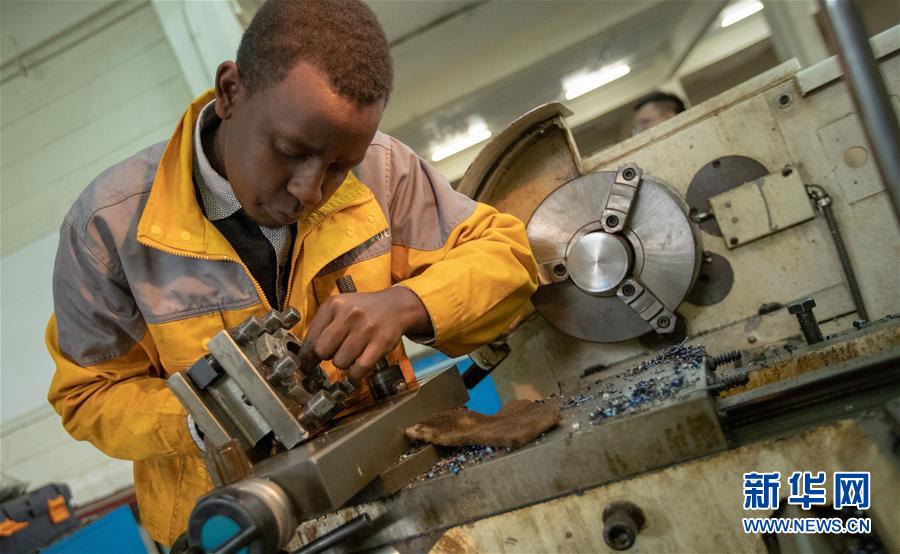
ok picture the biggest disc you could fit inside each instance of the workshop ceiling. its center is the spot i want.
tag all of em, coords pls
(493, 60)
(540, 77)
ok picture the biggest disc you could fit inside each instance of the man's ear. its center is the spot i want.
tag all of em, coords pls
(229, 89)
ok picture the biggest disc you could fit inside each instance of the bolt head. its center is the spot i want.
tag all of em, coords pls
(271, 322)
(284, 367)
(249, 329)
(320, 404)
(801, 306)
(269, 349)
(290, 317)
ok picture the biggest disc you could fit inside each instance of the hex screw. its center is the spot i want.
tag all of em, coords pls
(663, 322)
(628, 174)
(627, 290)
(612, 221)
(559, 270)
(803, 309)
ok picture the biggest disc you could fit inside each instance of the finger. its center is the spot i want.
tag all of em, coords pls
(322, 319)
(358, 371)
(365, 363)
(353, 345)
(330, 340)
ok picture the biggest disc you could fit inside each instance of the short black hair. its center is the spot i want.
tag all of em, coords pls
(669, 101)
(343, 38)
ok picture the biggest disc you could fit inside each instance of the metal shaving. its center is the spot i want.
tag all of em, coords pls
(459, 459)
(663, 376)
(678, 355)
(660, 378)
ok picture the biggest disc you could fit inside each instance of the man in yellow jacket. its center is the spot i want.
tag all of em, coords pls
(271, 187)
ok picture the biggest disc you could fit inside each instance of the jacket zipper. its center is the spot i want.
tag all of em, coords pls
(300, 238)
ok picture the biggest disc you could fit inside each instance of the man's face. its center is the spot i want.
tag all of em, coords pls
(650, 114)
(288, 146)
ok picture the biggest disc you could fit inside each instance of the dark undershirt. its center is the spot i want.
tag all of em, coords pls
(255, 251)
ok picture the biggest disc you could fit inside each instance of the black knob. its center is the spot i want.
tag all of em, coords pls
(621, 523)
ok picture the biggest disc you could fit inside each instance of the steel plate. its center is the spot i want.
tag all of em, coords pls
(718, 176)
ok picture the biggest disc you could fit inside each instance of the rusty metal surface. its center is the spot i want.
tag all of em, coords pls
(587, 449)
(875, 338)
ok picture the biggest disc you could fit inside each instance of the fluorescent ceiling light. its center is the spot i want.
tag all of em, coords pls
(478, 132)
(581, 83)
(738, 11)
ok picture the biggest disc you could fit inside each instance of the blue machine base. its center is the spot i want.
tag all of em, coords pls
(483, 398)
(115, 533)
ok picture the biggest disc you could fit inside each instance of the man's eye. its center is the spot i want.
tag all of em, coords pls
(293, 155)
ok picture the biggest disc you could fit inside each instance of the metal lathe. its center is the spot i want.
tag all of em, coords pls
(718, 297)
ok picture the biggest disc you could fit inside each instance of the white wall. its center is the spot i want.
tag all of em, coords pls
(97, 96)
(26, 304)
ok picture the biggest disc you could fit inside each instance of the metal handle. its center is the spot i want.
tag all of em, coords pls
(868, 91)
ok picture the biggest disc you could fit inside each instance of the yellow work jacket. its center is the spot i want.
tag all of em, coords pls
(142, 280)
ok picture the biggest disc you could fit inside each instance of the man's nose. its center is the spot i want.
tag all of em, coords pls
(306, 185)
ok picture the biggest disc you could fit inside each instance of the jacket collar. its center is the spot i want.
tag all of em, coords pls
(172, 219)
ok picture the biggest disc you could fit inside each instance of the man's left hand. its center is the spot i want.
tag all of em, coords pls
(355, 330)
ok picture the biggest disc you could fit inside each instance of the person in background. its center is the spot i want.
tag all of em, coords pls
(653, 109)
